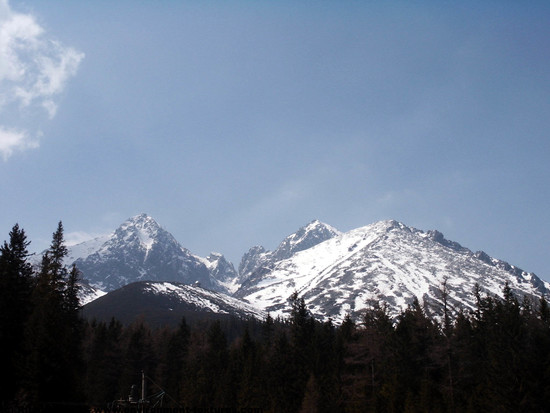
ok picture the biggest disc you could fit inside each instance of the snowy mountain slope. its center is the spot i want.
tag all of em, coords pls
(86, 248)
(87, 293)
(257, 259)
(139, 249)
(205, 299)
(166, 303)
(386, 261)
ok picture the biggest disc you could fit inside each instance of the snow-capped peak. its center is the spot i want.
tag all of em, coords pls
(306, 237)
(140, 249)
(143, 227)
(386, 261)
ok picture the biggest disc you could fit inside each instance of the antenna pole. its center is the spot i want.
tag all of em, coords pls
(142, 387)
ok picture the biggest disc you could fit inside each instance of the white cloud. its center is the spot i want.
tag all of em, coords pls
(13, 140)
(34, 70)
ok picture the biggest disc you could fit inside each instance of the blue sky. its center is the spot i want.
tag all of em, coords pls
(235, 123)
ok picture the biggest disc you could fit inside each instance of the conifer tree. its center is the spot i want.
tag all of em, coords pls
(463, 354)
(544, 310)
(15, 290)
(172, 353)
(52, 335)
(247, 372)
(347, 328)
(216, 364)
(418, 336)
(103, 357)
(302, 327)
(267, 328)
(285, 395)
(137, 350)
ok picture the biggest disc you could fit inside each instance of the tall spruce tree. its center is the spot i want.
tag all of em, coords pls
(15, 290)
(418, 358)
(53, 332)
(104, 358)
(302, 328)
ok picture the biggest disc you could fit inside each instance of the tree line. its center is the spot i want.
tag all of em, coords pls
(495, 357)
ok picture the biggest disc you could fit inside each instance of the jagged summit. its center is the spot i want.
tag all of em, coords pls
(142, 218)
(222, 272)
(142, 222)
(385, 261)
(142, 230)
(140, 249)
(257, 259)
(306, 237)
(251, 260)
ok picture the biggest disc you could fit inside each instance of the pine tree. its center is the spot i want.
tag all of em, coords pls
(217, 357)
(103, 362)
(247, 372)
(267, 329)
(418, 351)
(173, 349)
(138, 356)
(347, 328)
(72, 288)
(302, 327)
(284, 394)
(15, 291)
(505, 343)
(463, 358)
(326, 366)
(544, 311)
(53, 333)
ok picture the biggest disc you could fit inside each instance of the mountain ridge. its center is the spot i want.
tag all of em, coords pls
(385, 261)
(336, 272)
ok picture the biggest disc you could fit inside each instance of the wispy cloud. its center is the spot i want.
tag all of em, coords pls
(12, 140)
(34, 70)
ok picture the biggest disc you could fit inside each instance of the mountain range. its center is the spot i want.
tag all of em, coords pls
(337, 273)
(384, 262)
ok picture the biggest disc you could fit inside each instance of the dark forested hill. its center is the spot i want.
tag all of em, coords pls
(165, 303)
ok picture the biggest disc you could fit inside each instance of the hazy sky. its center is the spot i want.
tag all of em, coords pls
(234, 123)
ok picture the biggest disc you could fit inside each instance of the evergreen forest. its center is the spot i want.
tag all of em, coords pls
(494, 358)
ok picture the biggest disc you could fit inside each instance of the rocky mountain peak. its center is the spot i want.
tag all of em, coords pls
(258, 259)
(306, 237)
(440, 238)
(385, 261)
(251, 260)
(141, 229)
(221, 269)
(140, 249)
